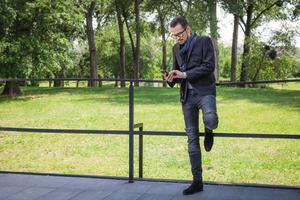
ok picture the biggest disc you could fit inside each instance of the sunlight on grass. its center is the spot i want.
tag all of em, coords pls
(251, 110)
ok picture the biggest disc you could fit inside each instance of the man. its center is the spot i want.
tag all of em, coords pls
(193, 67)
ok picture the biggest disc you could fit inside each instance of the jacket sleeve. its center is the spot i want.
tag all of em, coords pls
(203, 59)
(175, 67)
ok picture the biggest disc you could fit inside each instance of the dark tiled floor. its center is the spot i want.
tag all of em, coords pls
(35, 187)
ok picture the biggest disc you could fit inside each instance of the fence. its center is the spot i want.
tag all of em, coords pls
(131, 132)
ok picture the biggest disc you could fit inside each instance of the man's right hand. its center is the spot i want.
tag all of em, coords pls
(168, 77)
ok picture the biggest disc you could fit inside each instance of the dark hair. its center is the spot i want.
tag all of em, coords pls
(179, 20)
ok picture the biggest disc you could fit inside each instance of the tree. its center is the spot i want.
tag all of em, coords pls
(108, 55)
(36, 38)
(94, 11)
(162, 15)
(135, 45)
(138, 40)
(251, 15)
(90, 10)
(212, 5)
(122, 49)
(224, 61)
(273, 59)
(234, 48)
(195, 11)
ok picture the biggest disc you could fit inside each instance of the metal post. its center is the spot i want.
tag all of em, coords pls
(131, 120)
(141, 152)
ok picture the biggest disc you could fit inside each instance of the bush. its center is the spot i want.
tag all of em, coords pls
(269, 62)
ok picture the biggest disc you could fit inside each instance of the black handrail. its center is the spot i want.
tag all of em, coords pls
(132, 126)
(148, 133)
(145, 81)
(141, 133)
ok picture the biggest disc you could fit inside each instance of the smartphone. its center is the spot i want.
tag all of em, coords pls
(164, 72)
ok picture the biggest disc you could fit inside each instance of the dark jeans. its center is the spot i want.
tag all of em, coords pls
(190, 109)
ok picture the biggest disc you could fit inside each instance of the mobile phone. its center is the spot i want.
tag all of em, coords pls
(164, 72)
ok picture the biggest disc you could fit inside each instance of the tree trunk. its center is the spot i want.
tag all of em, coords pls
(11, 88)
(116, 82)
(122, 43)
(59, 83)
(164, 43)
(244, 68)
(137, 43)
(261, 64)
(91, 41)
(129, 34)
(234, 48)
(214, 34)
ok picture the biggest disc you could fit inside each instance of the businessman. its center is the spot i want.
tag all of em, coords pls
(193, 68)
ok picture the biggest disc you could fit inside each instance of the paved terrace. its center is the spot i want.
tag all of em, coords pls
(32, 187)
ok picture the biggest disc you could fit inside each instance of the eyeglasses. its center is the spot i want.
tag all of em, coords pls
(180, 34)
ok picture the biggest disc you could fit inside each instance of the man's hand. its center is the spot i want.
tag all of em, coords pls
(177, 74)
(173, 74)
(166, 77)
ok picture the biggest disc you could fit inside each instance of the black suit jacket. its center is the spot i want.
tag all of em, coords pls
(200, 67)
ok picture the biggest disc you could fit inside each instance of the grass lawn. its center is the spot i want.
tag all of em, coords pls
(251, 110)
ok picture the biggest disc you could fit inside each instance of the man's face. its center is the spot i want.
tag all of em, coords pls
(179, 34)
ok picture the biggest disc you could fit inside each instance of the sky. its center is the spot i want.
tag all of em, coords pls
(225, 24)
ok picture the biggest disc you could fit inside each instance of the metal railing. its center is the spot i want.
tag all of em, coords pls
(131, 132)
(221, 83)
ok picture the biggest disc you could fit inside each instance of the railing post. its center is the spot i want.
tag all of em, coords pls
(131, 127)
(141, 152)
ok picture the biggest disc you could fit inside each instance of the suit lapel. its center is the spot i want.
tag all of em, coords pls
(191, 47)
(177, 55)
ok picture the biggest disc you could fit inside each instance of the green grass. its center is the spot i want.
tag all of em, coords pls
(251, 110)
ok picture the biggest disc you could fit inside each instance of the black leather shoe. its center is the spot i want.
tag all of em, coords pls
(208, 139)
(196, 186)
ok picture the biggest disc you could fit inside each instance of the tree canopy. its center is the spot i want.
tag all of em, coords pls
(129, 39)
(37, 37)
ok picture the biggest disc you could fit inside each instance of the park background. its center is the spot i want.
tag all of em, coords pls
(129, 39)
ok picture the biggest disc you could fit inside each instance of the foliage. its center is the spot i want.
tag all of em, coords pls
(251, 15)
(195, 12)
(224, 61)
(36, 37)
(107, 43)
(45, 38)
(269, 62)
